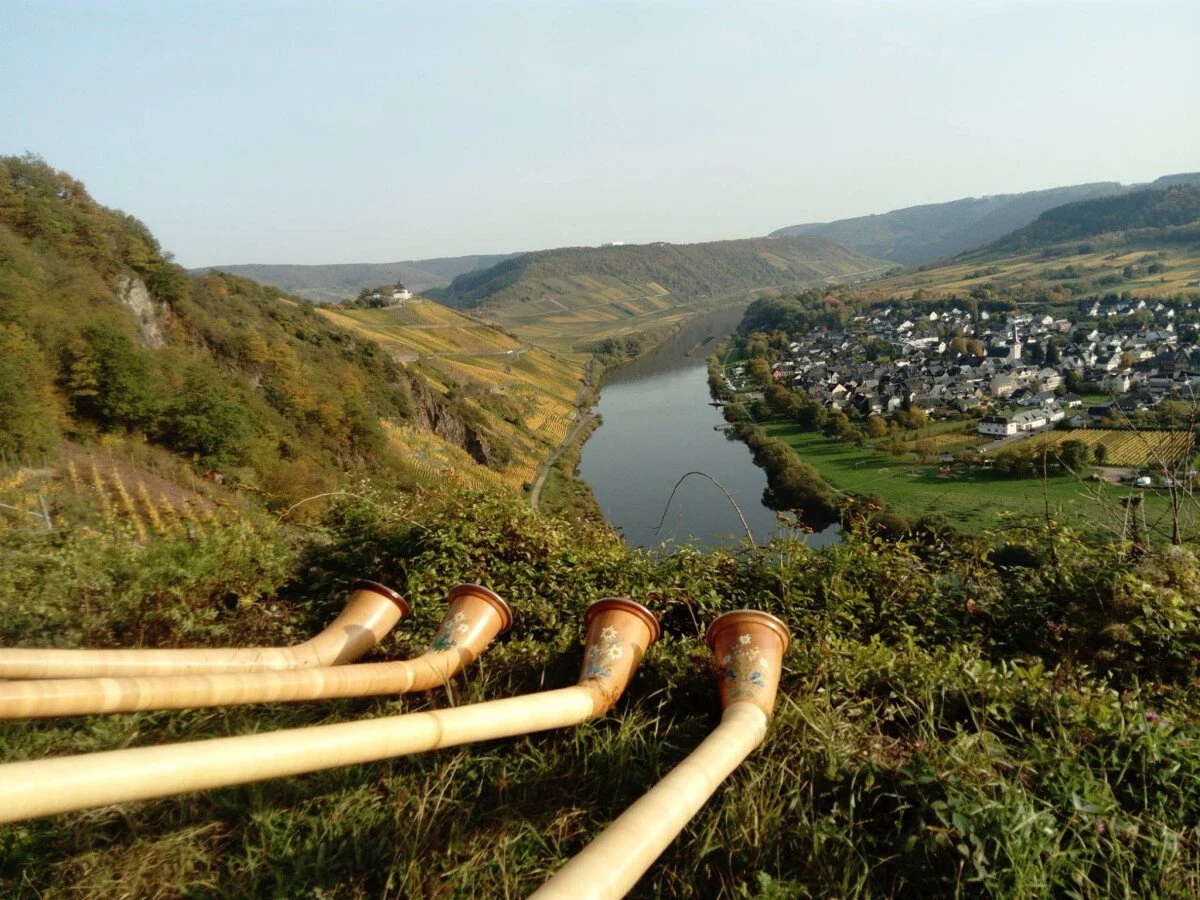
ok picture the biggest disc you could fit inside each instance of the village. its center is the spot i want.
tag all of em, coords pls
(1101, 362)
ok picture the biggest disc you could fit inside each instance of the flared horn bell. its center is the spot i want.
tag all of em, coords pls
(619, 631)
(476, 615)
(749, 647)
(370, 613)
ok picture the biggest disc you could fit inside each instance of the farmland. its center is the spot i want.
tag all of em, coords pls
(526, 394)
(972, 498)
(1123, 447)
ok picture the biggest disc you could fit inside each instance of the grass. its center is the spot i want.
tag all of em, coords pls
(928, 739)
(975, 499)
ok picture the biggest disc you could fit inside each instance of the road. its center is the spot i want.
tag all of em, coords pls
(581, 419)
(535, 492)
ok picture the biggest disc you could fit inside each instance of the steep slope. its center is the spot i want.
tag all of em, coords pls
(103, 341)
(1162, 213)
(918, 234)
(524, 394)
(572, 297)
(1145, 243)
(331, 283)
(572, 275)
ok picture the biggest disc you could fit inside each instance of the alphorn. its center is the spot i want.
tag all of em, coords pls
(619, 631)
(476, 615)
(749, 648)
(369, 615)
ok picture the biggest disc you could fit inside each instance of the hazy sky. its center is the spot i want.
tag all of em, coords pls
(373, 132)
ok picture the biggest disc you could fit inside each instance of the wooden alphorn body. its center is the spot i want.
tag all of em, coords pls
(370, 613)
(619, 631)
(475, 617)
(749, 648)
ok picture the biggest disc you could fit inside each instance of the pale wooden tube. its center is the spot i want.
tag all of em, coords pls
(369, 615)
(475, 617)
(749, 647)
(619, 631)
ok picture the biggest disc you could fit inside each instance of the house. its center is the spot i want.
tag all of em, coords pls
(997, 426)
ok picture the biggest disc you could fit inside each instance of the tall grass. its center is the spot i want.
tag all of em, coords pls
(947, 725)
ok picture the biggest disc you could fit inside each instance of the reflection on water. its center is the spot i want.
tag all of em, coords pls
(659, 425)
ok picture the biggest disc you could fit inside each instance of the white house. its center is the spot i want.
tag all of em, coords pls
(997, 426)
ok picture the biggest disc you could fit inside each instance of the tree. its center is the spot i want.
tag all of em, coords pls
(759, 371)
(779, 398)
(207, 419)
(923, 449)
(29, 410)
(1074, 455)
(876, 427)
(1100, 453)
(812, 416)
(107, 378)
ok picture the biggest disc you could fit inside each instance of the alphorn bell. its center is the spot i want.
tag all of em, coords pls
(619, 631)
(475, 617)
(749, 647)
(369, 615)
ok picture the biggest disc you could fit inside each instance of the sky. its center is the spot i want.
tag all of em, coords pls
(304, 133)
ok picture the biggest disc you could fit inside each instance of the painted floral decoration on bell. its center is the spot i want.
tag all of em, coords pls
(745, 666)
(602, 654)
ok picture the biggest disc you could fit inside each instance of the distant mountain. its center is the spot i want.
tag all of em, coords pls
(918, 234)
(573, 278)
(1168, 213)
(328, 284)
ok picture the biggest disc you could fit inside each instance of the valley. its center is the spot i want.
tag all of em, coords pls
(201, 460)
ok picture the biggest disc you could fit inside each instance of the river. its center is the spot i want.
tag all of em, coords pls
(659, 425)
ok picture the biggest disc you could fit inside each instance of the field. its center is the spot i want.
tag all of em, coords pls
(973, 499)
(423, 328)
(1181, 271)
(525, 395)
(434, 463)
(1124, 448)
(572, 331)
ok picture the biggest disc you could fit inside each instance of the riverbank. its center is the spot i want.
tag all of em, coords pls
(659, 425)
(820, 474)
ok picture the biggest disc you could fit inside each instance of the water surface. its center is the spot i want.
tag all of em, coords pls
(659, 424)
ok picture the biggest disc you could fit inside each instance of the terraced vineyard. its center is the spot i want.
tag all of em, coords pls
(525, 394)
(434, 463)
(423, 328)
(1126, 448)
(1179, 271)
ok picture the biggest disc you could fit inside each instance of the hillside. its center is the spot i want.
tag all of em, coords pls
(1008, 715)
(526, 394)
(568, 297)
(917, 234)
(331, 283)
(1161, 214)
(108, 346)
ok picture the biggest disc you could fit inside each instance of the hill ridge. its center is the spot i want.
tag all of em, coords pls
(920, 233)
